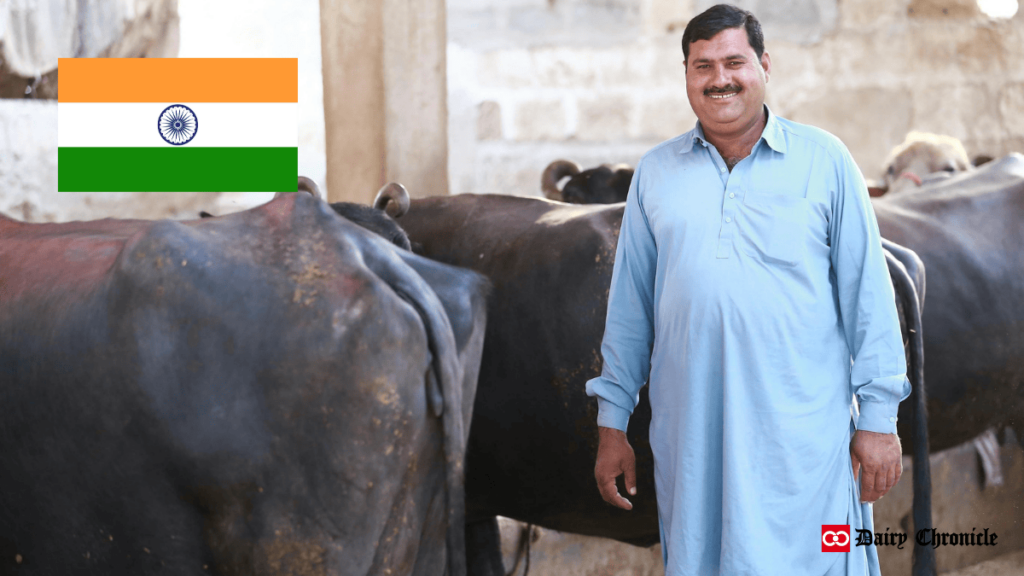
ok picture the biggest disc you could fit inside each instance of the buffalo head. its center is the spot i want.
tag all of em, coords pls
(923, 156)
(605, 184)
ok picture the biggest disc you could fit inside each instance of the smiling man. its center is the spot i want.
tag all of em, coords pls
(751, 291)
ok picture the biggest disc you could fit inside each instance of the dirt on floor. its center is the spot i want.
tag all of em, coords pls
(1008, 565)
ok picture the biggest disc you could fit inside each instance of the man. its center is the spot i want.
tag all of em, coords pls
(748, 274)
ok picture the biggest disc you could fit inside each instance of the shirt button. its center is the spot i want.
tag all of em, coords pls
(721, 169)
(728, 219)
(892, 419)
(732, 195)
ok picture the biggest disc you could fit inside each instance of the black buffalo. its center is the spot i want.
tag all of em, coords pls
(605, 184)
(272, 392)
(533, 441)
(968, 230)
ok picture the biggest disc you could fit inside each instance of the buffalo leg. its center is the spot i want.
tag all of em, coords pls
(483, 548)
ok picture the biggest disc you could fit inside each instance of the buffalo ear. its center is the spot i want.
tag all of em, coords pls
(620, 182)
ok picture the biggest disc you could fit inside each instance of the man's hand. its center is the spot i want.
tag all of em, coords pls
(614, 458)
(879, 459)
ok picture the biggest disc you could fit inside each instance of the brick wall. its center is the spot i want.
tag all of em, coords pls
(602, 81)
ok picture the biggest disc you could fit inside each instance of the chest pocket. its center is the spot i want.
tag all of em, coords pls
(777, 228)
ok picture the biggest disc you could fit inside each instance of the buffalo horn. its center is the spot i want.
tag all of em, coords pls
(393, 198)
(553, 173)
(306, 185)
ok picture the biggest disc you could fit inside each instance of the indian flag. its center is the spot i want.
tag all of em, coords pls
(177, 124)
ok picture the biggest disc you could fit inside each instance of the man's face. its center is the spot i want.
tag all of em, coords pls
(725, 81)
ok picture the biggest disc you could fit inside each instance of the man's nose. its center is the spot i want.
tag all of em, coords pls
(722, 78)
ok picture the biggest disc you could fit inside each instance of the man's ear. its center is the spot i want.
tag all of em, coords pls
(766, 64)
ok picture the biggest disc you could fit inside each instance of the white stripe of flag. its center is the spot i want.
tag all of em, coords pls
(134, 124)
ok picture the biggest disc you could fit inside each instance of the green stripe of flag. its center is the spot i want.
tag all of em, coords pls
(177, 169)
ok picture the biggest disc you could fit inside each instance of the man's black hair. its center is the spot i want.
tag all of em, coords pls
(720, 17)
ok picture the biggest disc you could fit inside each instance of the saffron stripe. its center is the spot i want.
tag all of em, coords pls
(178, 80)
(175, 169)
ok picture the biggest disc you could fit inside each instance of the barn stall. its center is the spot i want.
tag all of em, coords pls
(480, 96)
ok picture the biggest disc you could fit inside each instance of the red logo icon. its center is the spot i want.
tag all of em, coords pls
(835, 537)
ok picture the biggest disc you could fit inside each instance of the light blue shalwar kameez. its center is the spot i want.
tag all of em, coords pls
(744, 297)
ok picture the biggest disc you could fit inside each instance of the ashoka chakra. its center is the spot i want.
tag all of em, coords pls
(177, 124)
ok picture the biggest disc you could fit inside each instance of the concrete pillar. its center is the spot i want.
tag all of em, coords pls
(385, 96)
(351, 41)
(416, 92)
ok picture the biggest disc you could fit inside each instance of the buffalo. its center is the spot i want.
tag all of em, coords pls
(533, 439)
(967, 229)
(272, 392)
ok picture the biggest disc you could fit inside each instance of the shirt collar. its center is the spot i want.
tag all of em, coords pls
(772, 135)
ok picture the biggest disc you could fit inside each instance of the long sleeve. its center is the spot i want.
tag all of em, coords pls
(866, 303)
(629, 328)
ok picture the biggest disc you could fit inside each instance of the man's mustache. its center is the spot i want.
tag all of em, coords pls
(716, 90)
